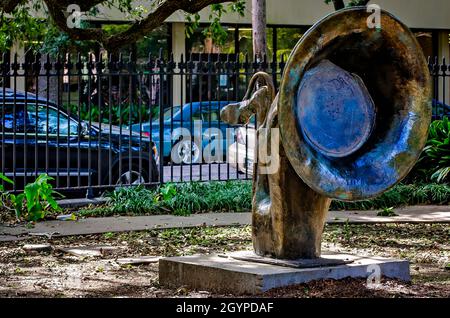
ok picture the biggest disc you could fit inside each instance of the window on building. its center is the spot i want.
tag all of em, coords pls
(159, 39)
(245, 44)
(286, 39)
(245, 36)
(198, 86)
(199, 42)
(425, 40)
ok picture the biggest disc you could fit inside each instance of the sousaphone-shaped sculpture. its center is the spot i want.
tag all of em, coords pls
(353, 113)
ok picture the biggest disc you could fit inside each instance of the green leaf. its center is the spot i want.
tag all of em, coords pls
(5, 178)
(53, 203)
(36, 214)
(31, 193)
(17, 201)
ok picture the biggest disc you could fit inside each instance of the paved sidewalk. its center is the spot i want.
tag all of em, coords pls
(415, 214)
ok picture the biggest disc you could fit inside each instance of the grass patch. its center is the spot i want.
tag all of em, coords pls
(401, 195)
(235, 196)
(177, 199)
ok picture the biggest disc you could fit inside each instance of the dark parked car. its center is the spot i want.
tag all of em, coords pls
(39, 137)
(178, 118)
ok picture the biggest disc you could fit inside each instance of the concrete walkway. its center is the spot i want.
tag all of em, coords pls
(415, 214)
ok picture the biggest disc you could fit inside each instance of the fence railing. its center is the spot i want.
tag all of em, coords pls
(440, 72)
(93, 122)
(96, 122)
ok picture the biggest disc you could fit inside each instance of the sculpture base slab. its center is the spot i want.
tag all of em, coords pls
(329, 260)
(226, 274)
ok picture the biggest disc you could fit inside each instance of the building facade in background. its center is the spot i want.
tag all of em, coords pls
(287, 21)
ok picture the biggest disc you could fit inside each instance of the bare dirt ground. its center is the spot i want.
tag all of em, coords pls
(56, 274)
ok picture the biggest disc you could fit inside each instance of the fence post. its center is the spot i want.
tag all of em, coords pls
(160, 64)
(89, 191)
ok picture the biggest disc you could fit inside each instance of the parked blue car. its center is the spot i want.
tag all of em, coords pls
(440, 109)
(178, 122)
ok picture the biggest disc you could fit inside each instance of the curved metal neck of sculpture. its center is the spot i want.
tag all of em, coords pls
(287, 216)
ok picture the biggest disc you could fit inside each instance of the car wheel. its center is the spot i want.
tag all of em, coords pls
(130, 177)
(186, 152)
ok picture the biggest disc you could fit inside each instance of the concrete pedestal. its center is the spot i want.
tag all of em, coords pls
(230, 274)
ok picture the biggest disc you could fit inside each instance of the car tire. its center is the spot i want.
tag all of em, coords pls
(186, 152)
(133, 176)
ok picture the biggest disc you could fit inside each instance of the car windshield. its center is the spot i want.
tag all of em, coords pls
(207, 111)
(169, 113)
(43, 120)
(174, 113)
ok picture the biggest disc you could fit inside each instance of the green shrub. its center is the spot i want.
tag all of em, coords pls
(213, 196)
(7, 180)
(36, 200)
(434, 163)
(178, 199)
(197, 197)
(137, 200)
(401, 195)
(118, 113)
(168, 191)
(5, 198)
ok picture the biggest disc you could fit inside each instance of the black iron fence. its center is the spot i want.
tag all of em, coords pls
(95, 122)
(440, 72)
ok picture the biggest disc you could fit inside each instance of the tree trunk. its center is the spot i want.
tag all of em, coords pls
(259, 28)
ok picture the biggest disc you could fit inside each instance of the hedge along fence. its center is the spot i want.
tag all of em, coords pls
(178, 199)
(236, 196)
(184, 199)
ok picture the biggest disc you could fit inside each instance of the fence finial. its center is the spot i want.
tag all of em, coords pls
(47, 64)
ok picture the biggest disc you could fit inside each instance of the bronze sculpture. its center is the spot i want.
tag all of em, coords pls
(353, 113)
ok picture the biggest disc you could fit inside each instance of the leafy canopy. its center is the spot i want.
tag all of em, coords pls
(43, 24)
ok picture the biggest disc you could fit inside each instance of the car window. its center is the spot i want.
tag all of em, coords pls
(196, 115)
(12, 118)
(171, 112)
(49, 123)
(212, 115)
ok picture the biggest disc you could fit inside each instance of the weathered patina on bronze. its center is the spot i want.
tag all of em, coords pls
(391, 64)
(376, 88)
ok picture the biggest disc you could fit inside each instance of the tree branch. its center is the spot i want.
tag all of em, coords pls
(57, 10)
(7, 6)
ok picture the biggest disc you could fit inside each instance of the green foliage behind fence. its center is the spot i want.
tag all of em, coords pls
(434, 163)
(188, 198)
